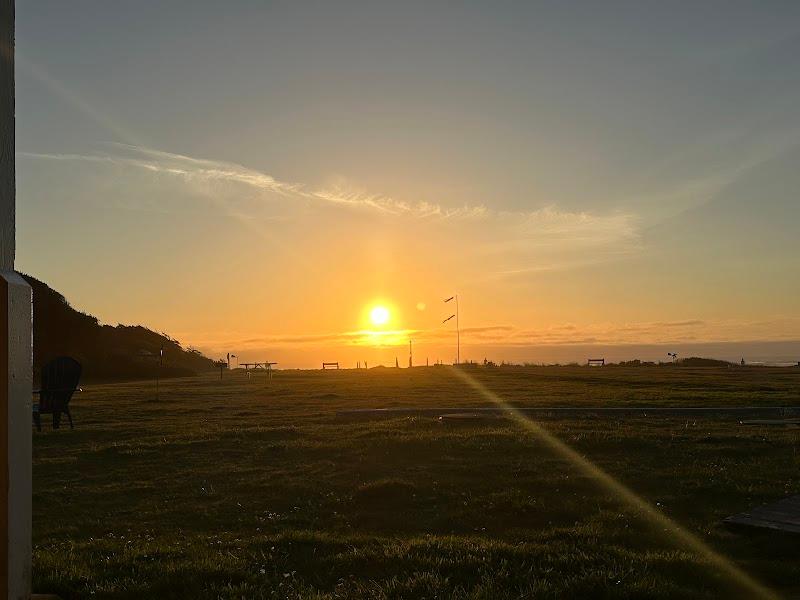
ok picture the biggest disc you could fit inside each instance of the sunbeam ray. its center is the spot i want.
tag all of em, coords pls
(675, 532)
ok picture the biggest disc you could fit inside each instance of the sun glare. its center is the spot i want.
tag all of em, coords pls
(379, 315)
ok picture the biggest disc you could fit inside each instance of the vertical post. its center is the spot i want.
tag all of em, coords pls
(158, 371)
(458, 336)
(15, 353)
(7, 176)
(458, 328)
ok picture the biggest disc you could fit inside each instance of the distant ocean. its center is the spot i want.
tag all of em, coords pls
(778, 354)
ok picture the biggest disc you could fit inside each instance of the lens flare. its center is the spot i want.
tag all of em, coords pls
(677, 534)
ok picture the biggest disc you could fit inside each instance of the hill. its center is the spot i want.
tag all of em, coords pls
(107, 353)
(696, 361)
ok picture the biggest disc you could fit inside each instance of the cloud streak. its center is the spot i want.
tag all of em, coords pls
(208, 172)
(662, 332)
(547, 222)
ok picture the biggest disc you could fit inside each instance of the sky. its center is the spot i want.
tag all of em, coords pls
(252, 177)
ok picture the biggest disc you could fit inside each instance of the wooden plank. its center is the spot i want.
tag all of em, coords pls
(778, 422)
(615, 411)
(783, 515)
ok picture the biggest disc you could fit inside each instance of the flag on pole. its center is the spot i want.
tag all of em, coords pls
(450, 298)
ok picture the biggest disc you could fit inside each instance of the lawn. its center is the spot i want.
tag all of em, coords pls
(247, 489)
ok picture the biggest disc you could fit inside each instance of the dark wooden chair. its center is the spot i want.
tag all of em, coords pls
(60, 379)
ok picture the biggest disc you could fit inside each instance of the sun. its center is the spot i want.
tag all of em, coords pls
(379, 315)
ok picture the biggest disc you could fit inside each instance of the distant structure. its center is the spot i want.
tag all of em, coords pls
(222, 364)
(266, 366)
(396, 364)
(744, 363)
(330, 365)
(596, 362)
(673, 355)
(410, 355)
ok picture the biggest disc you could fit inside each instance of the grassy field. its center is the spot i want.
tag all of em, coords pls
(243, 489)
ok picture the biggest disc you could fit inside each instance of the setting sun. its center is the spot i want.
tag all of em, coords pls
(379, 315)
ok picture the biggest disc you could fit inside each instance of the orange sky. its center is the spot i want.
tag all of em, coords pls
(577, 180)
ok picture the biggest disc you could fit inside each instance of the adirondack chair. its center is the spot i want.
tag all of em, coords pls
(60, 379)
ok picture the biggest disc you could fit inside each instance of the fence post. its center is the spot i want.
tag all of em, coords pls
(15, 352)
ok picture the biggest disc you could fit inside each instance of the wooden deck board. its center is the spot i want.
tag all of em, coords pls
(763, 412)
(783, 515)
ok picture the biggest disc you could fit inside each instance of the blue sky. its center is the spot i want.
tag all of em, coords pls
(643, 155)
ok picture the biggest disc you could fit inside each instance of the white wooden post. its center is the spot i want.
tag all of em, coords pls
(15, 353)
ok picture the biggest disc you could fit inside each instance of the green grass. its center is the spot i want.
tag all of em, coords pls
(239, 489)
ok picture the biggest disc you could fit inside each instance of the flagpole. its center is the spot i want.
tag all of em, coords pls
(458, 327)
(458, 336)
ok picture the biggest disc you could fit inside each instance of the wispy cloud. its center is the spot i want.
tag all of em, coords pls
(549, 221)
(660, 332)
(502, 243)
(199, 171)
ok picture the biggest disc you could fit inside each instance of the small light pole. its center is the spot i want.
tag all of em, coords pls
(458, 328)
(158, 370)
